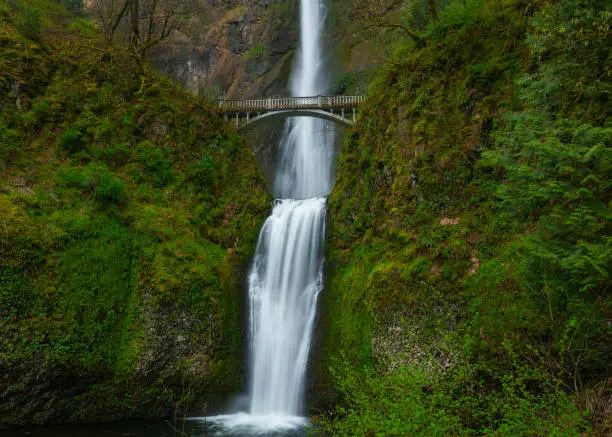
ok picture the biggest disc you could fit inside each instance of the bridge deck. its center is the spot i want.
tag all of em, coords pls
(283, 103)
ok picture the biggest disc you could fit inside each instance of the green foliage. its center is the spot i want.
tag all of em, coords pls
(29, 21)
(156, 164)
(9, 141)
(5, 10)
(95, 180)
(127, 212)
(555, 179)
(84, 27)
(474, 261)
(95, 287)
(115, 154)
(396, 404)
(202, 172)
(342, 83)
(411, 401)
(109, 189)
(461, 16)
(15, 293)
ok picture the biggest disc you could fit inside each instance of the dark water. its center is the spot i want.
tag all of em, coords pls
(190, 428)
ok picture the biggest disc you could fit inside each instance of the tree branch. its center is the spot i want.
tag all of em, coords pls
(119, 17)
(418, 39)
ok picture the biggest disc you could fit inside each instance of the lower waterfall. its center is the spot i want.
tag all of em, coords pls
(286, 279)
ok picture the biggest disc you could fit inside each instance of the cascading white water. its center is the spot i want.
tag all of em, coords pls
(307, 154)
(283, 289)
(287, 272)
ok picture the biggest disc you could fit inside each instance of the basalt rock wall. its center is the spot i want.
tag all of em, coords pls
(235, 48)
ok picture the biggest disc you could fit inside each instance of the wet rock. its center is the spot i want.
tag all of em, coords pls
(233, 49)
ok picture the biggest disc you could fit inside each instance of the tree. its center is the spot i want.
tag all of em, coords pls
(110, 13)
(152, 21)
(433, 9)
(148, 22)
(380, 14)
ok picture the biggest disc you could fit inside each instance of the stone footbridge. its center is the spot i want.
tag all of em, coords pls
(251, 112)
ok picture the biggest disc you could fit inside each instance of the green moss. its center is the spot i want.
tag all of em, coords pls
(256, 52)
(454, 244)
(128, 210)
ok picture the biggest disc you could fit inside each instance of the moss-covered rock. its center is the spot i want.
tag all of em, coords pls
(128, 212)
(452, 249)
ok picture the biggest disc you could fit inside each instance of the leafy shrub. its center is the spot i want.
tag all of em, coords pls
(9, 139)
(84, 27)
(94, 179)
(156, 165)
(115, 154)
(461, 15)
(105, 130)
(80, 135)
(202, 173)
(29, 22)
(5, 10)
(343, 82)
(16, 295)
(96, 283)
(37, 115)
(413, 402)
(480, 74)
(71, 140)
(109, 189)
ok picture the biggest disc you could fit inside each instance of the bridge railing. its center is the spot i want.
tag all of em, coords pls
(280, 103)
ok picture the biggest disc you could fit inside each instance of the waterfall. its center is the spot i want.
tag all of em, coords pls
(283, 289)
(287, 273)
(307, 154)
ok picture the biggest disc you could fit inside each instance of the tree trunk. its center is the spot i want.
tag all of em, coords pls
(134, 17)
(433, 9)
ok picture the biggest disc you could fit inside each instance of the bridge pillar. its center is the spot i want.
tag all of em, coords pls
(353, 115)
(237, 119)
(342, 112)
(320, 101)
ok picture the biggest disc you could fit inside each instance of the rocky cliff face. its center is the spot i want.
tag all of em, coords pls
(238, 48)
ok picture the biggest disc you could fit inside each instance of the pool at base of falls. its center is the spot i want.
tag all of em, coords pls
(231, 425)
(243, 425)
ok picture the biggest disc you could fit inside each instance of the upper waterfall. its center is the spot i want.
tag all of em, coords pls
(308, 78)
(306, 161)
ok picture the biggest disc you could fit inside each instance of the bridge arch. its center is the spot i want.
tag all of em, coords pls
(316, 113)
(323, 107)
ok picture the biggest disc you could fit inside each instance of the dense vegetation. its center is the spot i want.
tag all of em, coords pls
(127, 212)
(470, 248)
(469, 253)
